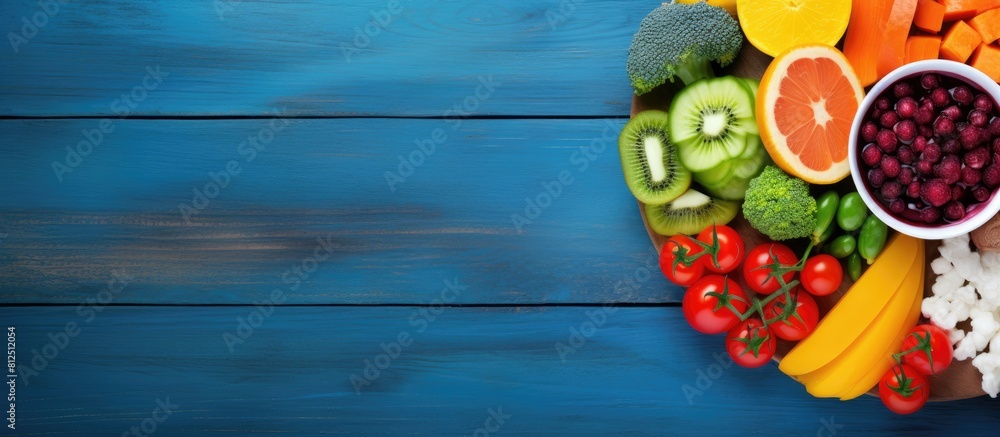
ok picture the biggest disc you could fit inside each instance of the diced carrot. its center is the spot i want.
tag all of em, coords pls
(892, 53)
(987, 60)
(920, 47)
(987, 24)
(929, 16)
(863, 39)
(964, 9)
(959, 42)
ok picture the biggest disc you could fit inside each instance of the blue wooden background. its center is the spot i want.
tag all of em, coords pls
(253, 213)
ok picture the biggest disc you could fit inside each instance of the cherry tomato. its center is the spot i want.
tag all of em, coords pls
(796, 324)
(757, 267)
(750, 343)
(821, 275)
(708, 304)
(728, 249)
(675, 260)
(903, 389)
(927, 349)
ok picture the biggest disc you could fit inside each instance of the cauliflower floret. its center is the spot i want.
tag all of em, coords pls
(941, 266)
(988, 364)
(965, 349)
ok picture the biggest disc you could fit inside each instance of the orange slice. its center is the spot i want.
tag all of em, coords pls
(774, 26)
(807, 101)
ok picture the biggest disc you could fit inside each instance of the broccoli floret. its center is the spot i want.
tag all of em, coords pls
(681, 40)
(779, 205)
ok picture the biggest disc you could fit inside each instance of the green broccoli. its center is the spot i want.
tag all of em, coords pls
(779, 205)
(681, 40)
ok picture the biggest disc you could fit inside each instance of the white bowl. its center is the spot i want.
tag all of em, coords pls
(974, 218)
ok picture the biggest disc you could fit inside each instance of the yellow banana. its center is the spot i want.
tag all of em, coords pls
(884, 361)
(838, 377)
(855, 311)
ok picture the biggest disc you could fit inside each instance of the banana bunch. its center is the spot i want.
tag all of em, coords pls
(852, 346)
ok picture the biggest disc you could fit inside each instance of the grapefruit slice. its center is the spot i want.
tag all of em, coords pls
(774, 26)
(807, 101)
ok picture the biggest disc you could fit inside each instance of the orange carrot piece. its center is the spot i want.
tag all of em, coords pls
(863, 39)
(987, 60)
(959, 42)
(920, 47)
(929, 16)
(987, 24)
(892, 53)
(963, 9)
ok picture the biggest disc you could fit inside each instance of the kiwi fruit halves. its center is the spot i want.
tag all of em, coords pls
(649, 159)
(709, 121)
(690, 213)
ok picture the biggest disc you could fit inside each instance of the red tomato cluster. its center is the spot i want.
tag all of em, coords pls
(926, 351)
(714, 303)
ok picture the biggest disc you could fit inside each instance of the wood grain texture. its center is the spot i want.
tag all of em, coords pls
(118, 210)
(231, 57)
(291, 375)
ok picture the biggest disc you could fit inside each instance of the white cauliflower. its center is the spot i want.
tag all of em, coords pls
(967, 288)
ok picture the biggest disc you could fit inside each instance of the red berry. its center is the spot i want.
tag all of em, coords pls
(972, 136)
(954, 211)
(876, 177)
(951, 146)
(995, 126)
(963, 95)
(906, 175)
(930, 214)
(897, 206)
(902, 89)
(882, 104)
(929, 81)
(891, 190)
(906, 155)
(952, 112)
(977, 158)
(886, 141)
(889, 119)
(949, 170)
(932, 153)
(991, 175)
(971, 176)
(905, 130)
(957, 191)
(869, 131)
(935, 192)
(925, 130)
(913, 190)
(940, 97)
(981, 193)
(890, 166)
(919, 143)
(996, 145)
(983, 103)
(925, 168)
(923, 115)
(943, 126)
(978, 118)
(906, 107)
(871, 155)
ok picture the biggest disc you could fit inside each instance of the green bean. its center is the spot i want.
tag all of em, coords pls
(854, 265)
(852, 212)
(872, 238)
(841, 246)
(826, 210)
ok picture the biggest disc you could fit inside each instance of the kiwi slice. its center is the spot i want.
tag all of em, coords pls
(744, 169)
(649, 160)
(690, 213)
(710, 120)
(751, 85)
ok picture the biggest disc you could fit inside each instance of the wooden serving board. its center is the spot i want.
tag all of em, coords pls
(960, 381)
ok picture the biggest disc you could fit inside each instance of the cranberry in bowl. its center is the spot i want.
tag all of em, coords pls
(924, 149)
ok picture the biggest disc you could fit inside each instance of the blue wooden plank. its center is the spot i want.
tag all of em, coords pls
(230, 57)
(119, 209)
(637, 372)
